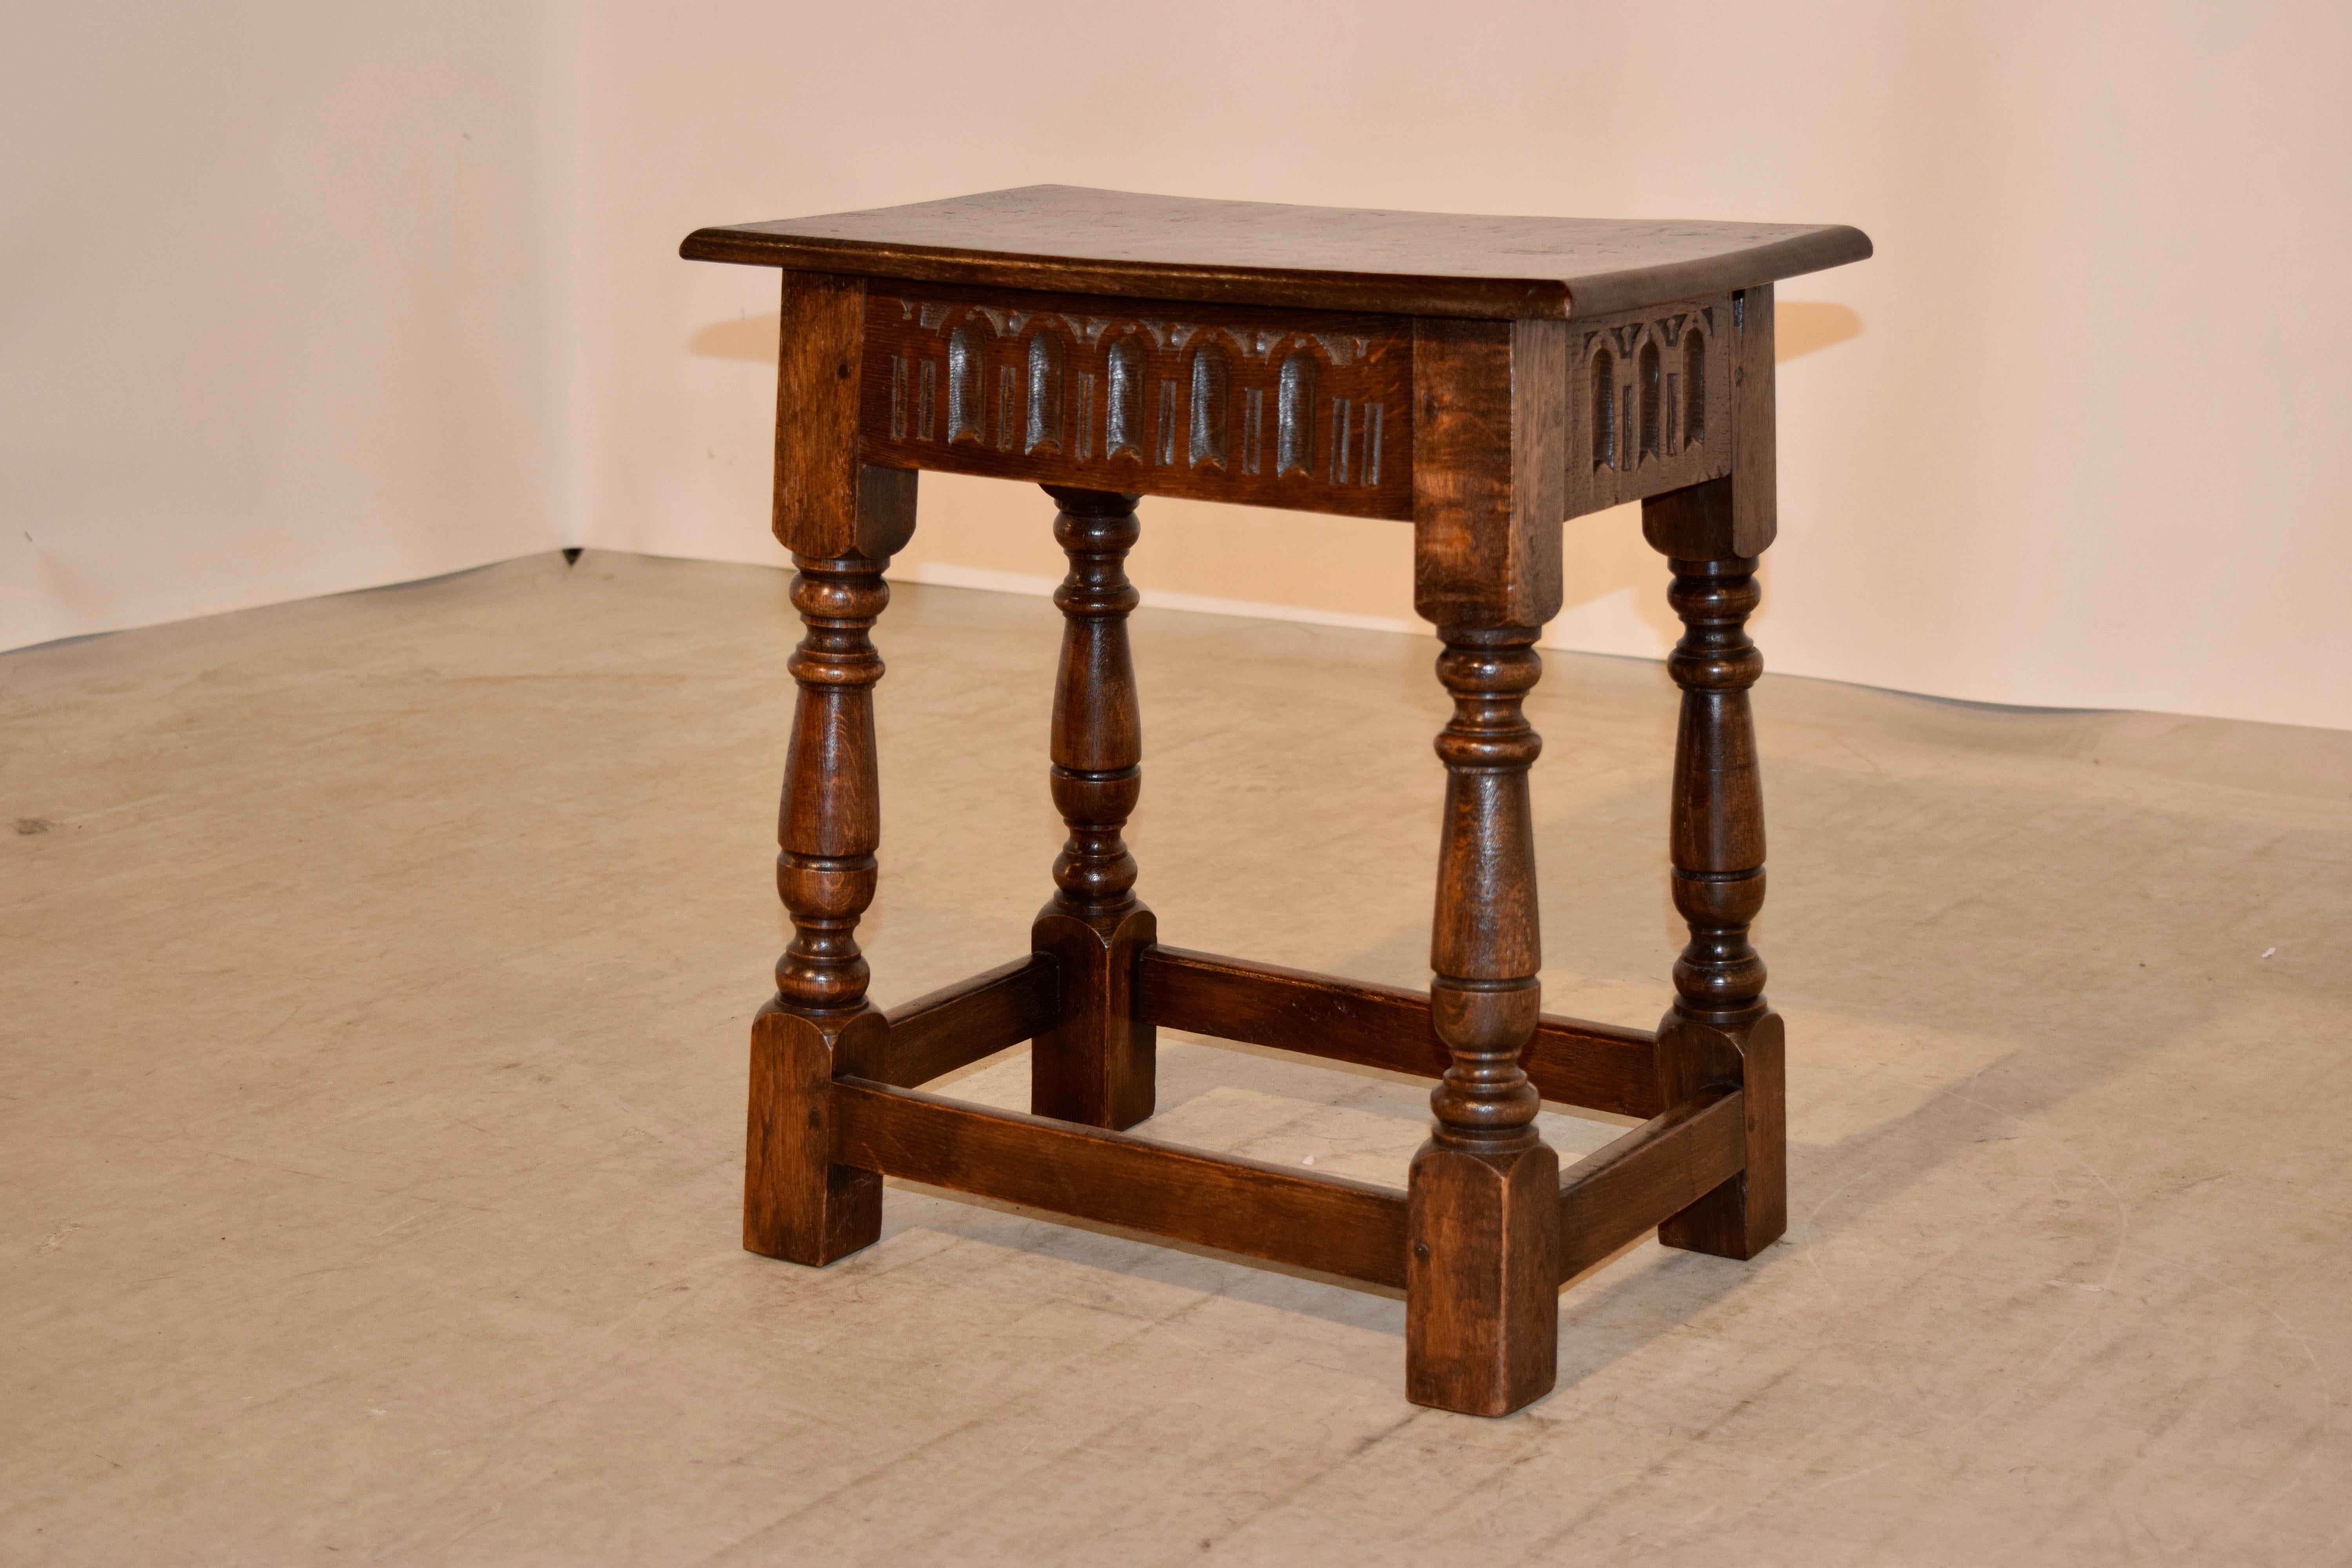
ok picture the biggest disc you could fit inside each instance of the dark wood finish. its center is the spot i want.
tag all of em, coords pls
(1326, 1222)
(1661, 1167)
(1649, 402)
(1734, 515)
(1755, 490)
(957, 1025)
(1572, 1061)
(828, 505)
(1486, 378)
(1095, 1064)
(1481, 1328)
(1744, 1215)
(1304, 409)
(1484, 945)
(1719, 1030)
(1482, 1281)
(830, 820)
(1129, 244)
(1489, 472)
(797, 1203)
(1749, 1211)
(828, 828)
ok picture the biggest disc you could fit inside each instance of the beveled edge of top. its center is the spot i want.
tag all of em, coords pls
(1691, 258)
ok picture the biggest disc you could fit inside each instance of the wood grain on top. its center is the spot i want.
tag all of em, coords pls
(1086, 241)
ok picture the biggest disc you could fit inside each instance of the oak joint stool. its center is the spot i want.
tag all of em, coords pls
(1482, 378)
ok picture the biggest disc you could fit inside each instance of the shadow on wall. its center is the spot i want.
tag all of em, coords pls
(1801, 328)
(749, 338)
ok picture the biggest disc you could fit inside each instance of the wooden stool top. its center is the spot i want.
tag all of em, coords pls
(1119, 243)
(1414, 366)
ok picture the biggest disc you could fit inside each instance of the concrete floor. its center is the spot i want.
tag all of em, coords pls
(378, 974)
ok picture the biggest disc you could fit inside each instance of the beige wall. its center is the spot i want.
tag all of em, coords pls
(2072, 436)
(280, 303)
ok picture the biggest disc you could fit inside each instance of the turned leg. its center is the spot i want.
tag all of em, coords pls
(1095, 1066)
(1483, 1279)
(1720, 1029)
(797, 1203)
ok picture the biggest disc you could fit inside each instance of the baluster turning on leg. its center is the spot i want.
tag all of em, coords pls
(797, 1204)
(1095, 1066)
(1720, 1029)
(1481, 1313)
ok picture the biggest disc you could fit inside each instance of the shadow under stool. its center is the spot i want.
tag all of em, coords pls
(1482, 378)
